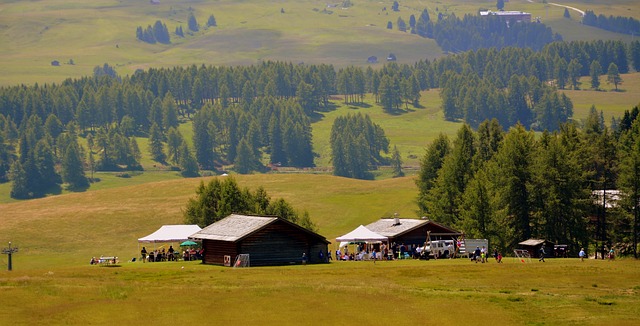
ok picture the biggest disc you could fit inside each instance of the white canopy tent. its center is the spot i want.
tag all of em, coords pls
(171, 233)
(362, 234)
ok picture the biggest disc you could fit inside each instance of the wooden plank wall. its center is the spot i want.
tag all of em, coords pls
(276, 244)
(214, 251)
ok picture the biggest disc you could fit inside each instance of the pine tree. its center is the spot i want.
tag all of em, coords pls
(430, 164)
(595, 70)
(174, 143)
(613, 75)
(211, 22)
(446, 195)
(630, 181)
(574, 72)
(20, 187)
(72, 168)
(561, 72)
(476, 213)
(396, 163)
(402, 26)
(46, 175)
(245, 159)
(155, 144)
(192, 23)
(188, 162)
(169, 112)
(511, 179)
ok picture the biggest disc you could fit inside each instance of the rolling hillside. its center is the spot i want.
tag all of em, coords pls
(35, 33)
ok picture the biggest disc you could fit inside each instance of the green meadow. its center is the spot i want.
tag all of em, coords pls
(445, 292)
(91, 33)
(53, 283)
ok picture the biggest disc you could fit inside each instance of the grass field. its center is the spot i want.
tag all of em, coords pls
(34, 33)
(53, 283)
(444, 292)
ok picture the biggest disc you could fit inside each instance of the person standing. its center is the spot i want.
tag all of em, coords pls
(581, 254)
(542, 253)
(143, 254)
(171, 251)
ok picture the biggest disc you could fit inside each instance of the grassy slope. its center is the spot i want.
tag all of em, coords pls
(94, 32)
(612, 103)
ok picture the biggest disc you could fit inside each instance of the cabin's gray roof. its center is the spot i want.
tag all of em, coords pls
(233, 227)
(532, 242)
(386, 227)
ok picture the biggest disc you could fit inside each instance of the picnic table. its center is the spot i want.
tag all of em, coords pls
(108, 260)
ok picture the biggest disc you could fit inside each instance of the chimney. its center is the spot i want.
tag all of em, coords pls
(396, 220)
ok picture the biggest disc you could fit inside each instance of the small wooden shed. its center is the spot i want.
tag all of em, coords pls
(533, 247)
(268, 240)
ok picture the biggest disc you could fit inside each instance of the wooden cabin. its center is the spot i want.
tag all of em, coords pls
(412, 231)
(268, 240)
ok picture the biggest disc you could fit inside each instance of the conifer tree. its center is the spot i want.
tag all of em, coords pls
(20, 187)
(72, 168)
(613, 75)
(187, 162)
(211, 22)
(155, 144)
(174, 143)
(246, 161)
(396, 163)
(595, 70)
(192, 23)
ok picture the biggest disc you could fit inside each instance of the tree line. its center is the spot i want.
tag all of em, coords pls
(474, 32)
(158, 33)
(511, 186)
(356, 146)
(618, 24)
(513, 85)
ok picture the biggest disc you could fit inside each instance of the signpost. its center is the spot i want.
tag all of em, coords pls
(9, 251)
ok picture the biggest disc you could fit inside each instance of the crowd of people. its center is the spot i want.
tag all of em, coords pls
(170, 255)
(378, 251)
(481, 255)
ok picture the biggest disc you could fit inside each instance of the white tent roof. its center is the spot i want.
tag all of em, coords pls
(171, 233)
(361, 234)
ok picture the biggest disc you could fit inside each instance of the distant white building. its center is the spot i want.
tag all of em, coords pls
(610, 200)
(517, 16)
